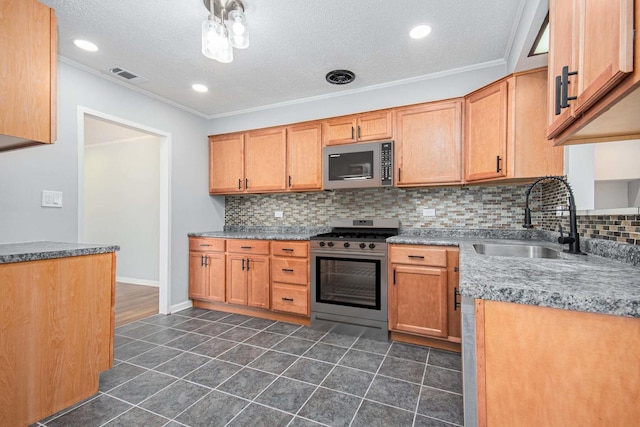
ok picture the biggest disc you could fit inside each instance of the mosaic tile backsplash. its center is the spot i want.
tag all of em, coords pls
(494, 207)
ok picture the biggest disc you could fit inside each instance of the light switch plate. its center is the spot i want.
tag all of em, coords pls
(428, 212)
(51, 199)
(279, 214)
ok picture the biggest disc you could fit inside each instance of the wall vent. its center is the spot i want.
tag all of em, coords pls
(126, 75)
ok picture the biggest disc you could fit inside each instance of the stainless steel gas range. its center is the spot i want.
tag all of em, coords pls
(349, 277)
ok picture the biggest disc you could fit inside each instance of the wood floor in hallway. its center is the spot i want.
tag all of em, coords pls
(135, 302)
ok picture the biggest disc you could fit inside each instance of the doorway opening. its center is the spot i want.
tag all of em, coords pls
(124, 199)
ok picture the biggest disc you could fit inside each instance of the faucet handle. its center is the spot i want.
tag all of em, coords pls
(564, 240)
(560, 229)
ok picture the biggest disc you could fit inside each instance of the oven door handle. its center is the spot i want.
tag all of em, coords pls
(351, 254)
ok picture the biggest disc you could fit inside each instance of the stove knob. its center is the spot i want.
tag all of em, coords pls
(362, 245)
(330, 244)
(372, 245)
(321, 244)
(346, 244)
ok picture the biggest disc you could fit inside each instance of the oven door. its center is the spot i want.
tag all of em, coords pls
(349, 284)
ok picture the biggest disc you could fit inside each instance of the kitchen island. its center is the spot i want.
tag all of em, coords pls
(56, 326)
(547, 341)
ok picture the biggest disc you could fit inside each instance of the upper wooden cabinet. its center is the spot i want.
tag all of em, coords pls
(592, 41)
(247, 162)
(265, 159)
(28, 42)
(304, 157)
(505, 133)
(428, 148)
(377, 125)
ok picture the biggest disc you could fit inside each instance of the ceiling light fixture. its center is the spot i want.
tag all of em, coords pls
(420, 31)
(225, 29)
(85, 45)
(199, 88)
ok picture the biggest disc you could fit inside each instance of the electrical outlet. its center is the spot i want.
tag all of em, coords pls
(428, 212)
(51, 199)
(279, 214)
(559, 211)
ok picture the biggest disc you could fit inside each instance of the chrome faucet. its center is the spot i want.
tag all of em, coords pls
(573, 239)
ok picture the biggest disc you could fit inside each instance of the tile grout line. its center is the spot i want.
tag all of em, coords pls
(424, 373)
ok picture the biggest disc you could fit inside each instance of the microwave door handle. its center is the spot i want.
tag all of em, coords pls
(356, 178)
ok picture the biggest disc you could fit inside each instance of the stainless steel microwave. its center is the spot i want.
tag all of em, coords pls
(361, 165)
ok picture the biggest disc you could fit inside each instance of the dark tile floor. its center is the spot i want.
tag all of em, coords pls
(208, 368)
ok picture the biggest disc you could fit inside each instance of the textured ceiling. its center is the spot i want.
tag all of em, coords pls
(293, 45)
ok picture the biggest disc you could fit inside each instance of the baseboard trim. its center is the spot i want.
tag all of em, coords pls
(183, 305)
(143, 282)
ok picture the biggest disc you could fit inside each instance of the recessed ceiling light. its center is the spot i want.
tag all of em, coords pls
(86, 45)
(420, 31)
(200, 88)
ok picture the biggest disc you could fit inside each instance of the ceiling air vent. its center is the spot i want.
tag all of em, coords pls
(126, 75)
(340, 77)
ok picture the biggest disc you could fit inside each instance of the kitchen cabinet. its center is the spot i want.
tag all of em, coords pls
(373, 126)
(504, 132)
(28, 42)
(614, 116)
(251, 162)
(423, 291)
(555, 367)
(590, 53)
(207, 269)
(304, 157)
(226, 164)
(56, 330)
(428, 147)
(248, 272)
(290, 277)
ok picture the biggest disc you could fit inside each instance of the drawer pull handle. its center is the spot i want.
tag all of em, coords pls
(204, 244)
(288, 270)
(245, 247)
(416, 256)
(287, 249)
(287, 299)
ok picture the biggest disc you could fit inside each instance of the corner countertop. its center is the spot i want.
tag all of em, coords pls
(35, 251)
(253, 235)
(588, 283)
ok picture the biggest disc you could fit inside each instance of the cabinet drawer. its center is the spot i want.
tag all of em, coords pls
(289, 270)
(418, 255)
(290, 298)
(206, 244)
(290, 249)
(248, 246)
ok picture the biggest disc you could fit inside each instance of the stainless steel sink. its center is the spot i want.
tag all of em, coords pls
(524, 251)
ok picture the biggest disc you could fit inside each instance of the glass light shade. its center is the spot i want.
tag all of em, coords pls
(239, 36)
(215, 42)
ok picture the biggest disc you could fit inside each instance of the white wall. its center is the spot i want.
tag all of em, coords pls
(634, 193)
(617, 160)
(24, 173)
(611, 194)
(436, 87)
(579, 168)
(122, 203)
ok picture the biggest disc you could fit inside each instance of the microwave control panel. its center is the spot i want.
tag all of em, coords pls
(386, 160)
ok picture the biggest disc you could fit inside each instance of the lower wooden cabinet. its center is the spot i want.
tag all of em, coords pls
(207, 269)
(550, 367)
(253, 273)
(423, 284)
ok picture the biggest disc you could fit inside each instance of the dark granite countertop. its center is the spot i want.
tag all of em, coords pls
(35, 251)
(589, 283)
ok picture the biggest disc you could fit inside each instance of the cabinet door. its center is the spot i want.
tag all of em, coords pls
(236, 279)
(226, 164)
(304, 157)
(429, 144)
(418, 300)
(562, 29)
(197, 276)
(605, 48)
(374, 126)
(258, 281)
(265, 160)
(215, 276)
(486, 133)
(28, 42)
(341, 130)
